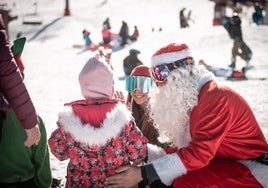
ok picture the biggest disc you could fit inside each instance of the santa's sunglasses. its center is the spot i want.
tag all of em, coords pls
(160, 73)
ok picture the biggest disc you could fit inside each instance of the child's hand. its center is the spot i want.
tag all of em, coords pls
(119, 96)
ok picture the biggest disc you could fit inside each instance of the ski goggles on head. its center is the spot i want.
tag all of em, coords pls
(141, 83)
(160, 73)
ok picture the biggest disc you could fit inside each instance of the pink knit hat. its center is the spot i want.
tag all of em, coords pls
(170, 53)
(96, 80)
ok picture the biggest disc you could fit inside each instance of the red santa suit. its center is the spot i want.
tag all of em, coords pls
(224, 136)
(223, 130)
(97, 136)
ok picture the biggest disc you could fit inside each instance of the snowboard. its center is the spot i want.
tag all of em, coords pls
(230, 78)
(91, 47)
(84, 48)
(238, 75)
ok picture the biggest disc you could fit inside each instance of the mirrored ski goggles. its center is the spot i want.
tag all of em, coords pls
(160, 73)
(141, 83)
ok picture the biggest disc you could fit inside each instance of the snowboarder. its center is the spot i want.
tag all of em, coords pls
(217, 71)
(257, 16)
(183, 18)
(240, 48)
(106, 24)
(124, 33)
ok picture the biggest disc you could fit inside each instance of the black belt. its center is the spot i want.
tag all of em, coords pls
(262, 159)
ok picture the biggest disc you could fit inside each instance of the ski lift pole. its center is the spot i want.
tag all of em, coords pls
(67, 10)
(35, 4)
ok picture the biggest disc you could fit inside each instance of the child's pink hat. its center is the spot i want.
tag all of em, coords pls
(96, 80)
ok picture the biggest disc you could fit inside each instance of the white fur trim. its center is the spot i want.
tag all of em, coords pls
(111, 126)
(206, 78)
(155, 152)
(169, 167)
(258, 170)
(169, 57)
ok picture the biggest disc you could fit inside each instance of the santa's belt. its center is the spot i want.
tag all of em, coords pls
(263, 158)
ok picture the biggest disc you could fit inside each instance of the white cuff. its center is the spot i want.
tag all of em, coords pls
(155, 152)
(169, 167)
(258, 170)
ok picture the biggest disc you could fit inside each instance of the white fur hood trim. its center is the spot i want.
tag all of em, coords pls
(206, 78)
(258, 170)
(113, 124)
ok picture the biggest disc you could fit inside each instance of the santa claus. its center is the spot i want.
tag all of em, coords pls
(215, 138)
(210, 126)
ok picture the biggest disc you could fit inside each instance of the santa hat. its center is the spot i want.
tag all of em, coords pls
(96, 80)
(170, 53)
(140, 70)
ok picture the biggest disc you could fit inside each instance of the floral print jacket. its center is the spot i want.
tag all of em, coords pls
(97, 137)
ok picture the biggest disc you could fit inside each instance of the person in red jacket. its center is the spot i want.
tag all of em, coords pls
(135, 34)
(14, 92)
(216, 140)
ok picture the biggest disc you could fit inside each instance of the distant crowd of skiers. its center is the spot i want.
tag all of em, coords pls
(123, 37)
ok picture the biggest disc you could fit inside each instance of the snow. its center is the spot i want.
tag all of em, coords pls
(52, 64)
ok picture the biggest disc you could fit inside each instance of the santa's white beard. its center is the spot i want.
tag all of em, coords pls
(171, 105)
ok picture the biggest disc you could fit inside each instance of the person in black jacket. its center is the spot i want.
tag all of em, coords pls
(131, 61)
(236, 35)
(124, 33)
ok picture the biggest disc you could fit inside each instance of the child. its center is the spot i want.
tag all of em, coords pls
(88, 42)
(135, 35)
(97, 134)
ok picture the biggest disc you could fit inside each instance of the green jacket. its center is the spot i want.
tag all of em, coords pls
(19, 163)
